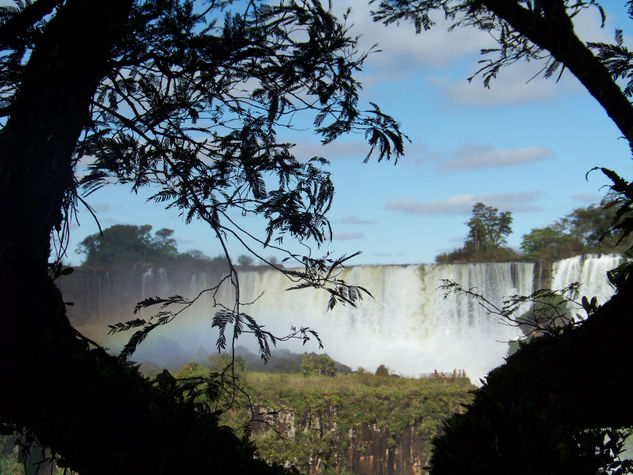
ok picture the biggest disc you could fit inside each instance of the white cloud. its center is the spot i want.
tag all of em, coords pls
(463, 203)
(470, 157)
(520, 83)
(347, 236)
(403, 53)
(101, 207)
(334, 150)
(586, 197)
(523, 82)
(402, 50)
(354, 220)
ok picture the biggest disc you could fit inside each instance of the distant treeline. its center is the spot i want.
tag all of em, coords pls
(125, 244)
(583, 231)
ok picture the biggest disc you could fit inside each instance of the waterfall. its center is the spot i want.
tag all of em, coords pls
(147, 278)
(408, 325)
(590, 270)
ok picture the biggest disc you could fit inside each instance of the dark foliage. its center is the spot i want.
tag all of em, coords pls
(382, 370)
(559, 404)
(186, 97)
(125, 244)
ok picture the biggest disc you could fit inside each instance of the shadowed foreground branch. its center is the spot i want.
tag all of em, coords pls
(544, 411)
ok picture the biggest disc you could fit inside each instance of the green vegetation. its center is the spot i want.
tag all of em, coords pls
(547, 313)
(487, 231)
(300, 418)
(126, 244)
(488, 227)
(12, 458)
(550, 243)
(583, 231)
(351, 402)
(9, 463)
(245, 260)
(317, 365)
(382, 370)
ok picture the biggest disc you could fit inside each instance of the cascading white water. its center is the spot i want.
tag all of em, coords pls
(156, 280)
(590, 270)
(147, 276)
(409, 325)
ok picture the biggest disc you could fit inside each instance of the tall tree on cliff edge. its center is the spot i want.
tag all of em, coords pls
(548, 408)
(185, 96)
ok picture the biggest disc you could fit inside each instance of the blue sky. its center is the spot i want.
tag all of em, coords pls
(523, 147)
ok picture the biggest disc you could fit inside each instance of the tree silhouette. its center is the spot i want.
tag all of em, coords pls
(551, 243)
(245, 260)
(584, 230)
(486, 239)
(487, 228)
(186, 97)
(546, 409)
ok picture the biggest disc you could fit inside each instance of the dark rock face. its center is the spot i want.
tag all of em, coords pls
(369, 449)
(542, 274)
(408, 456)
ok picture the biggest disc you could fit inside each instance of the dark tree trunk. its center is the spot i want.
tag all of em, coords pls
(98, 413)
(31, 14)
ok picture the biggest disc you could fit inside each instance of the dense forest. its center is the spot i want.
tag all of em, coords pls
(123, 245)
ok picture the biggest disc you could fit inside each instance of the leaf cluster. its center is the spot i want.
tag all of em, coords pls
(244, 323)
(192, 104)
(488, 227)
(593, 229)
(617, 58)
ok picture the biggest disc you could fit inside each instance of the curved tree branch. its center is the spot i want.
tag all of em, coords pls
(553, 31)
(17, 24)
